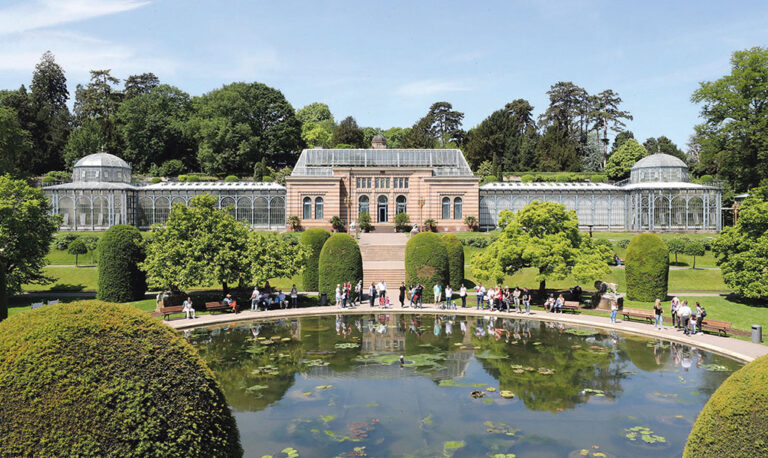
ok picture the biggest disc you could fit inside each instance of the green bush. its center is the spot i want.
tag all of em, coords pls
(364, 221)
(647, 268)
(705, 179)
(488, 179)
(314, 239)
(337, 224)
(231, 179)
(426, 262)
(623, 243)
(431, 225)
(120, 251)
(99, 379)
(172, 168)
(57, 176)
(734, 422)
(77, 247)
(455, 251)
(340, 262)
(477, 241)
(155, 180)
(402, 222)
(62, 241)
(598, 178)
(527, 178)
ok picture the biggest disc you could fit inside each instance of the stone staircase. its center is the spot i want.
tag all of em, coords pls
(383, 259)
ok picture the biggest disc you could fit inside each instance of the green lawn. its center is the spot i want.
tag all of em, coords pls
(68, 278)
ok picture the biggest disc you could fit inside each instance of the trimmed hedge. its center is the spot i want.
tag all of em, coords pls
(94, 378)
(120, 251)
(647, 268)
(455, 252)
(314, 239)
(734, 422)
(340, 262)
(426, 262)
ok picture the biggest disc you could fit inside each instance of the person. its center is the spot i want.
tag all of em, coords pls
(549, 304)
(448, 296)
(338, 294)
(559, 304)
(463, 295)
(673, 311)
(358, 293)
(490, 296)
(614, 311)
(700, 315)
(294, 297)
(527, 300)
(437, 292)
(657, 310)
(420, 295)
(231, 303)
(480, 292)
(401, 296)
(344, 296)
(685, 313)
(616, 259)
(187, 308)
(516, 297)
(384, 288)
(267, 289)
(372, 294)
(281, 299)
(381, 290)
(255, 297)
(499, 297)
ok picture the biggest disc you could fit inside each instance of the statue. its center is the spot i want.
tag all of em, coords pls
(414, 230)
(605, 295)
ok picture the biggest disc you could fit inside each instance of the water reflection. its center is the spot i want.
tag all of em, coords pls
(320, 382)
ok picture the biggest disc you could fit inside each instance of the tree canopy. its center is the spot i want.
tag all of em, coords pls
(348, 133)
(620, 163)
(665, 146)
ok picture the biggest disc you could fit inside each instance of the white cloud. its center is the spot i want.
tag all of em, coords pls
(429, 87)
(31, 15)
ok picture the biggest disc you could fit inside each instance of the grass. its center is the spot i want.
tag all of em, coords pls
(69, 278)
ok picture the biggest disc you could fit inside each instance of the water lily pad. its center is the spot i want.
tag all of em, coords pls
(715, 368)
(290, 452)
(584, 332)
(477, 394)
(643, 433)
(500, 428)
(453, 383)
(327, 418)
(285, 339)
(506, 394)
(490, 389)
(323, 387)
(257, 388)
(276, 338)
(450, 447)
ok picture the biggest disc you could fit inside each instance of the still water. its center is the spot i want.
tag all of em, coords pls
(466, 386)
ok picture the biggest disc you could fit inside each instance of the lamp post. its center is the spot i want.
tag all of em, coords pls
(348, 203)
(421, 201)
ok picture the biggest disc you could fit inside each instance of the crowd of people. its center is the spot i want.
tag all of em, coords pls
(267, 297)
(503, 299)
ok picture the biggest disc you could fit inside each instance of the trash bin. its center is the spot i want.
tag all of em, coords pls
(323, 299)
(757, 333)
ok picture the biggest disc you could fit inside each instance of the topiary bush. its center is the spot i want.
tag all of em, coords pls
(426, 262)
(121, 249)
(314, 239)
(340, 262)
(231, 179)
(100, 379)
(455, 252)
(734, 422)
(623, 243)
(647, 268)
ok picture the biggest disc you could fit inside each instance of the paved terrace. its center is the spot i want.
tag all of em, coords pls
(734, 348)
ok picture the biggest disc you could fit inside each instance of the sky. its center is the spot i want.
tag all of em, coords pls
(385, 63)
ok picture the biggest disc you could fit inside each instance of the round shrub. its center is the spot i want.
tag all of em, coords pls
(120, 251)
(426, 262)
(231, 179)
(95, 379)
(340, 262)
(314, 239)
(623, 243)
(647, 268)
(527, 178)
(734, 422)
(455, 252)
(598, 178)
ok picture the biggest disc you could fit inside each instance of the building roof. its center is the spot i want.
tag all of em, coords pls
(321, 162)
(659, 160)
(102, 160)
(548, 186)
(92, 186)
(668, 185)
(214, 186)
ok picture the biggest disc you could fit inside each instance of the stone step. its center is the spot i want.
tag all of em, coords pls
(383, 253)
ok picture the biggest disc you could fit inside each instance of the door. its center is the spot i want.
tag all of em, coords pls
(383, 209)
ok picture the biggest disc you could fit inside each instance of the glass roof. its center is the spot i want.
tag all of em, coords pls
(321, 162)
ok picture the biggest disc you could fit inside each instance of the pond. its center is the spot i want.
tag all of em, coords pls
(465, 386)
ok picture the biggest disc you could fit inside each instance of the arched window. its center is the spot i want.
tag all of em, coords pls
(446, 208)
(400, 205)
(383, 209)
(457, 208)
(318, 208)
(364, 206)
(307, 208)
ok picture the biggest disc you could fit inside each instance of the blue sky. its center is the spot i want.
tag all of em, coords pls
(385, 62)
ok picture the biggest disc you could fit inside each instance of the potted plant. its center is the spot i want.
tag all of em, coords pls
(337, 224)
(430, 225)
(471, 223)
(364, 222)
(402, 222)
(294, 222)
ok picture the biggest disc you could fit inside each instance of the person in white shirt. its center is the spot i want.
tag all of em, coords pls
(685, 313)
(489, 294)
(255, 299)
(448, 296)
(463, 295)
(674, 308)
(480, 291)
(187, 308)
(338, 294)
(516, 297)
(381, 289)
(358, 293)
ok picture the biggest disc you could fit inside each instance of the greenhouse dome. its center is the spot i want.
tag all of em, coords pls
(659, 167)
(101, 167)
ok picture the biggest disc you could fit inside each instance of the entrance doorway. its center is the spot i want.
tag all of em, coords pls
(382, 209)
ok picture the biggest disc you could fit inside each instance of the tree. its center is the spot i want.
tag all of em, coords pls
(99, 100)
(546, 236)
(620, 163)
(507, 138)
(136, 85)
(312, 240)
(605, 113)
(26, 234)
(77, 247)
(348, 133)
(741, 251)
(49, 95)
(241, 124)
(568, 112)
(735, 115)
(198, 245)
(276, 256)
(677, 245)
(440, 127)
(317, 125)
(594, 156)
(85, 139)
(15, 144)
(426, 262)
(647, 268)
(340, 262)
(620, 138)
(396, 136)
(121, 250)
(420, 135)
(314, 113)
(91, 243)
(665, 146)
(694, 249)
(556, 152)
(152, 125)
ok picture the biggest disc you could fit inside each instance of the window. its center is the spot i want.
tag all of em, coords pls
(319, 208)
(457, 208)
(400, 206)
(446, 208)
(364, 206)
(401, 183)
(307, 213)
(406, 183)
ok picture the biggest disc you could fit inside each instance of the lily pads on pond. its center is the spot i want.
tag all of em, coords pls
(323, 387)
(450, 447)
(715, 368)
(584, 332)
(506, 394)
(453, 383)
(347, 345)
(643, 433)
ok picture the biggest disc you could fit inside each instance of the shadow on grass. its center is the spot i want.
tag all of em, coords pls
(66, 287)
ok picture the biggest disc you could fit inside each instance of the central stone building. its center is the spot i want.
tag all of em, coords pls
(426, 184)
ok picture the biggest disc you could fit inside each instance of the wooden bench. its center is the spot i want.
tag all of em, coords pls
(721, 327)
(215, 306)
(647, 315)
(168, 311)
(571, 306)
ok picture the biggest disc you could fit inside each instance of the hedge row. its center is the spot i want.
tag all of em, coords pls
(647, 268)
(314, 239)
(340, 262)
(426, 262)
(455, 252)
(120, 251)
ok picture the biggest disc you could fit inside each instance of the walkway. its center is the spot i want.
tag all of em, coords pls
(383, 258)
(731, 347)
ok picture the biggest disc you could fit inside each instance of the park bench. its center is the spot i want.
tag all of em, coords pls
(571, 306)
(215, 306)
(168, 311)
(37, 305)
(53, 302)
(647, 315)
(721, 327)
